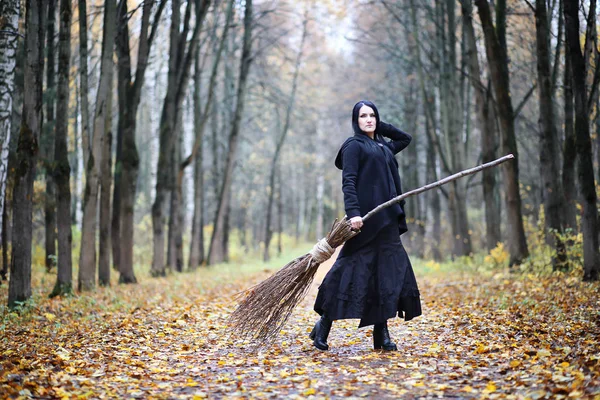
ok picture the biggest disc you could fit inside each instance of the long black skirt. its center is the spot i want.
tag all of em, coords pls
(373, 284)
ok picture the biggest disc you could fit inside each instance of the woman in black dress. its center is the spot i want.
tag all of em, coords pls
(372, 278)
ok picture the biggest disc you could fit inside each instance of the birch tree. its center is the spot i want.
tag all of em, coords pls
(9, 25)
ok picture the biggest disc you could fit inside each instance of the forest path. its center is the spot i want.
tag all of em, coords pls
(494, 337)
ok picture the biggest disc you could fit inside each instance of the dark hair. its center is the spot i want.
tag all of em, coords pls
(355, 111)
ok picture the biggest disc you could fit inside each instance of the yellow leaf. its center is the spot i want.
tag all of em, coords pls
(49, 316)
(515, 363)
(309, 391)
(467, 389)
(481, 348)
(490, 388)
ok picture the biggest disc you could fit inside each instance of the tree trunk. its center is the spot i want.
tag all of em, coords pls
(200, 117)
(83, 81)
(197, 239)
(452, 103)
(549, 153)
(430, 129)
(105, 195)
(4, 227)
(75, 159)
(174, 242)
(166, 149)
(62, 170)
(216, 251)
(434, 199)
(517, 244)
(115, 221)
(27, 154)
(178, 75)
(320, 189)
(47, 141)
(214, 142)
(452, 151)
(87, 259)
(279, 212)
(487, 125)
(585, 171)
(281, 140)
(569, 179)
(128, 159)
(416, 219)
(9, 9)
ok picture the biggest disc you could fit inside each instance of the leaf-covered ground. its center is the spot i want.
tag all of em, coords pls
(481, 336)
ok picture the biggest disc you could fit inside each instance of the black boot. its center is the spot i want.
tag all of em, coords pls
(381, 338)
(320, 333)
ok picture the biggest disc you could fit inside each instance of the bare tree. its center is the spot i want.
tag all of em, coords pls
(27, 154)
(83, 81)
(549, 152)
(200, 118)
(569, 180)
(216, 251)
(127, 161)
(9, 25)
(104, 248)
(47, 139)
(281, 139)
(102, 118)
(495, 46)
(487, 125)
(62, 170)
(585, 168)
(181, 56)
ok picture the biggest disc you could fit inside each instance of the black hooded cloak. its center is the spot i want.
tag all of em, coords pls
(372, 278)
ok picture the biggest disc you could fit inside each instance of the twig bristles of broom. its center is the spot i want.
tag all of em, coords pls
(267, 306)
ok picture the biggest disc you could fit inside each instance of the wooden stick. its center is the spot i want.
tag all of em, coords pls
(436, 184)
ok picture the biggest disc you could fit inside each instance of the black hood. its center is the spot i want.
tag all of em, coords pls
(358, 136)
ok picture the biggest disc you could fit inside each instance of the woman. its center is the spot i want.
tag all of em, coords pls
(372, 278)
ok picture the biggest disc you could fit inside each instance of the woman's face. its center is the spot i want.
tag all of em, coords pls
(366, 120)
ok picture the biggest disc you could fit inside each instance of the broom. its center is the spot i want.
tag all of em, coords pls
(266, 307)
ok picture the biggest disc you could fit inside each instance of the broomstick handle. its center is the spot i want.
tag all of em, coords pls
(436, 184)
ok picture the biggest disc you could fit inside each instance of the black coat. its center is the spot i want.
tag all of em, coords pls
(369, 178)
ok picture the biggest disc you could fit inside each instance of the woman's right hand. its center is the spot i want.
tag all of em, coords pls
(356, 223)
